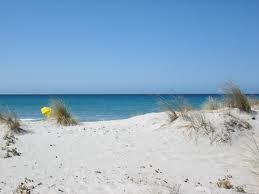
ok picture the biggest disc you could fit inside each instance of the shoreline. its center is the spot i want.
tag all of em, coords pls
(91, 121)
(95, 108)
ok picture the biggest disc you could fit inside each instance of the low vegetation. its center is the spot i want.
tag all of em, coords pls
(254, 102)
(25, 187)
(226, 183)
(182, 106)
(199, 125)
(13, 125)
(169, 109)
(11, 120)
(253, 159)
(212, 104)
(233, 123)
(176, 107)
(234, 97)
(61, 113)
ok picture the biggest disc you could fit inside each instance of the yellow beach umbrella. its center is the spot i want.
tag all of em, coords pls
(46, 111)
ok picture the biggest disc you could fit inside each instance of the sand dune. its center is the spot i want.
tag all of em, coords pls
(143, 154)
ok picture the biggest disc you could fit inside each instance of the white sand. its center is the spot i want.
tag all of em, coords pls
(143, 154)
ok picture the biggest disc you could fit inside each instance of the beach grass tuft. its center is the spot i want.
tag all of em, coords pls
(169, 109)
(235, 98)
(212, 104)
(11, 120)
(199, 125)
(254, 102)
(181, 105)
(253, 157)
(61, 113)
(175, 107)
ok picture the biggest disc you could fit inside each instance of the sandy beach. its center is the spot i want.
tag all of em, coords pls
(142, 154)
(129, 97)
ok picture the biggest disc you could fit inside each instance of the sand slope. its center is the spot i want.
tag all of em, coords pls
(143, 154)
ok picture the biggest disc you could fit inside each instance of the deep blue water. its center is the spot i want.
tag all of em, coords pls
(94, 107)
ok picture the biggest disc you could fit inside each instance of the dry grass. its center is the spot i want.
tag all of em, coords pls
(234, 97)
(25, 187)
(181, 105)
(212, 104)
(175, 107)
(226, 183)
(169, 109)
(199, 125)
(61, 113)
(11, 120)
(253, 159)
(254, 102)
(234, 124)
(172, 115)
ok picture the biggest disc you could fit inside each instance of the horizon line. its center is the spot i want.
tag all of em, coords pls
(24, 94)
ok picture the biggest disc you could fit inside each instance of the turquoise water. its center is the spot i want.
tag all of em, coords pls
(93, 107)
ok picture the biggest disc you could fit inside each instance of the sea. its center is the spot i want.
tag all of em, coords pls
(99, 107)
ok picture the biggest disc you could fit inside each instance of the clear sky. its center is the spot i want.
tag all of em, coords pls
(136, 46)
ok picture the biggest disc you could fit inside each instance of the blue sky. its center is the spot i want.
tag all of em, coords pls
(124, 46)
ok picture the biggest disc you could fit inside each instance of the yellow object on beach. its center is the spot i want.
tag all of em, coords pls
(46, 111)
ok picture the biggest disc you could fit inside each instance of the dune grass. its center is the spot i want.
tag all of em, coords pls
(169, 109)
(253, 157)
(61, 113)
(254, 102)
(235, 98)
(175, 107)
(11, 120)
(235, 123)
(181, 105)
(199, 125)
(212, 104)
